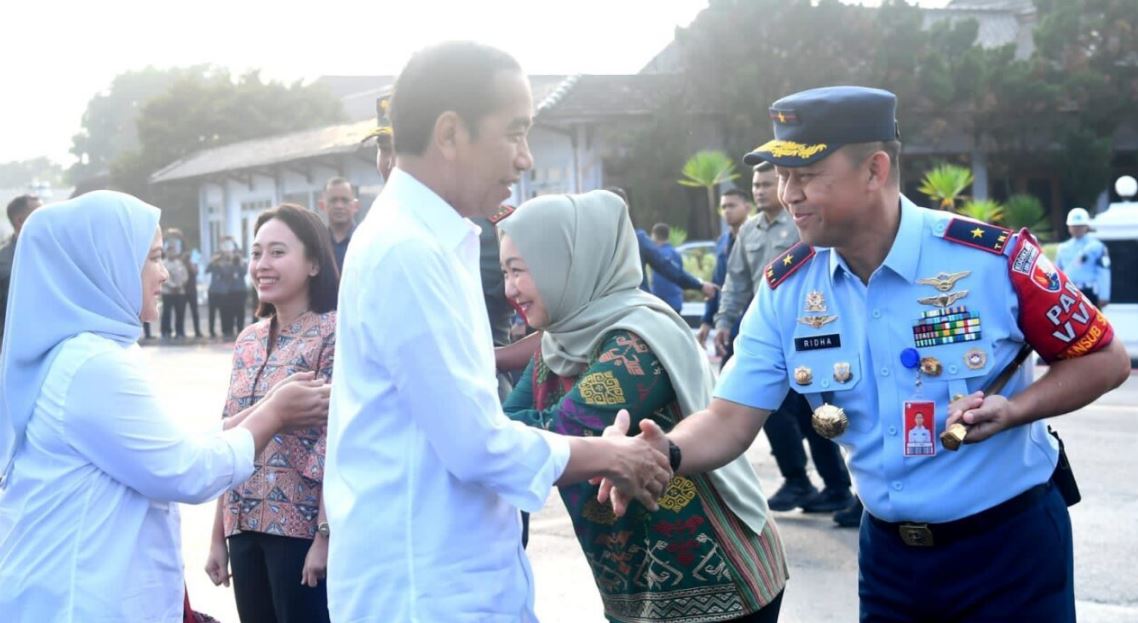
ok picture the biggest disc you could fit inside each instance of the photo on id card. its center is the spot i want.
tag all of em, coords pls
(919, 422)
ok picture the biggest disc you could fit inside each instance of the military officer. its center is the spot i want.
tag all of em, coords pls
(886, 311)
(1085, 259)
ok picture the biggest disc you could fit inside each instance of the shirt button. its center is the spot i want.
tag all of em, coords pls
(892, 430)
(825, 383)
(877, 313)
(885, 372)
(952, 369)
(897, 486)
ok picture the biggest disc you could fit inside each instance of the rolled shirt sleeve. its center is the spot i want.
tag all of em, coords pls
(115, 421)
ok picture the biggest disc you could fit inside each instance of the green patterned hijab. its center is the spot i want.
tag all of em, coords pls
(583, 255)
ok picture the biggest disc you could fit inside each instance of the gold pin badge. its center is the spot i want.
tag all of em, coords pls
(975, 359)
(803, 375)
(943, 300)
(817, 322)
(815, 302)
(829, 421)
(944, 281)
(842, 373)
(931, 366)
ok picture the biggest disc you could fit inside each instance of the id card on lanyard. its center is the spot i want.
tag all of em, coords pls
(918, 415)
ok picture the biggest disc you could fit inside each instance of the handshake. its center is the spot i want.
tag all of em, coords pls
(633, 468)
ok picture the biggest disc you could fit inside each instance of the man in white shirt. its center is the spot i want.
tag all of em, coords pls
(425, 474)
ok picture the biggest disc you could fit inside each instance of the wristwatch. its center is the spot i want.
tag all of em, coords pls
(674, 456)
(324, 529)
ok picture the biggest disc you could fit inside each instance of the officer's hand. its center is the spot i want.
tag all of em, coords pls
(704, 330)
(709, 289)
(984, 416)
(722, 341)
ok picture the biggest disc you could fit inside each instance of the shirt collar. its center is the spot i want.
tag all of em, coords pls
(905, 252)
(762, 222)
(425, 205)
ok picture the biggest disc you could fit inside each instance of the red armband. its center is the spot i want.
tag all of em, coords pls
(1055, 317)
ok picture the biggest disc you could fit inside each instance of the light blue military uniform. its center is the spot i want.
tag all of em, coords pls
(873, 324)
(1087, 263)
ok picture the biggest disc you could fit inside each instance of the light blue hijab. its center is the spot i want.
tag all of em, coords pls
(78, 269)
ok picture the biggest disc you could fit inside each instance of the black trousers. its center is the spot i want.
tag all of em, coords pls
(214, 302)
(266, 580)
(1017, 568)
(769, 613)
(174, 304)
(785, 429)
(192, 302)
(232, 308)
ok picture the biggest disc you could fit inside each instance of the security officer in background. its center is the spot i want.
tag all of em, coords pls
(767, 234)
(1085, 259)
(878, 312)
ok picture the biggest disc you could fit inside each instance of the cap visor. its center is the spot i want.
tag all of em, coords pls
(789, 154)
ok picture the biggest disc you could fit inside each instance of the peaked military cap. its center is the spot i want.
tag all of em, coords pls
(810, 125)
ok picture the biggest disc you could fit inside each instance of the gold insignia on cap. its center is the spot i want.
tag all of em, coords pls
(803, 375)
(817, 322)
(842, 372)
(790, 149)
(944, 281)
(931, 366)
(829, 421)
(943, 300)
(815, 302)
(975, 359)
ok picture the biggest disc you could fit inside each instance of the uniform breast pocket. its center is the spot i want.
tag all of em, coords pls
(954, 370)
(823, 370)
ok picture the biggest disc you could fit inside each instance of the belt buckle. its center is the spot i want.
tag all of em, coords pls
(916, 534)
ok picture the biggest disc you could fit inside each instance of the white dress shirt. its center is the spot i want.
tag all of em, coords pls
(89, 531)
(425, 474)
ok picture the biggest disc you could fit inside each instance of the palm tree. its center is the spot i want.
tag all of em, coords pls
(985, 210)
(945, 183)
(708, 169)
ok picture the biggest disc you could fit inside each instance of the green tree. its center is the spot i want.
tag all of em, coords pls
(707, 170)
(108, 128)
(21, 173)
(945, 184)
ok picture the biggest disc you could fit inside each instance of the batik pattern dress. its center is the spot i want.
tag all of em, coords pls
(283, 495)
(692, 560)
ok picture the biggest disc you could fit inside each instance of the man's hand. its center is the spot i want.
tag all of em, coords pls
(704, 331)
(315, 562)
(983, 415)
(709, 289)
(722, 341)
(641, 471)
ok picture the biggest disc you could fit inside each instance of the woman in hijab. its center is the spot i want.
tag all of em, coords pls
(92, 465)
(710, 553)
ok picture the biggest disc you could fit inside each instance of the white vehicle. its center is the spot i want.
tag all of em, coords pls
(1117, 227)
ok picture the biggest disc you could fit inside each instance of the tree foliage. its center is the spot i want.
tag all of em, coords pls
(21, 173)
(1055, 110)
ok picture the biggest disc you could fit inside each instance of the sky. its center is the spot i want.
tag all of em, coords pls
(55, 55)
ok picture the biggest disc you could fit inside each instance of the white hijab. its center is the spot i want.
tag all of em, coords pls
(78, 269)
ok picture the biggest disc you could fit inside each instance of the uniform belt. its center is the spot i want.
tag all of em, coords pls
(916, 534)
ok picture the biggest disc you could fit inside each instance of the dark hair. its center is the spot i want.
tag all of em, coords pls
(324, 288)
(456, 76)
(20, 206)
(735, 192)
(858, 152)
(337, 181)
(661, 231)
(763, 167)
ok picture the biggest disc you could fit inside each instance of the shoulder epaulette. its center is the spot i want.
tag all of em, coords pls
(502, 213)
(789, 261)
(990, 238)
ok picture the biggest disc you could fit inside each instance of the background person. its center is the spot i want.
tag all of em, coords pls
(1085, 259)
(89, 527)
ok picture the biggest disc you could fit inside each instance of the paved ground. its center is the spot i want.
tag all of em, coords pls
(1102, 441)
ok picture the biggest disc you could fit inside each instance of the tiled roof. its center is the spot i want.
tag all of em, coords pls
(592, 96)
(336, 139)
